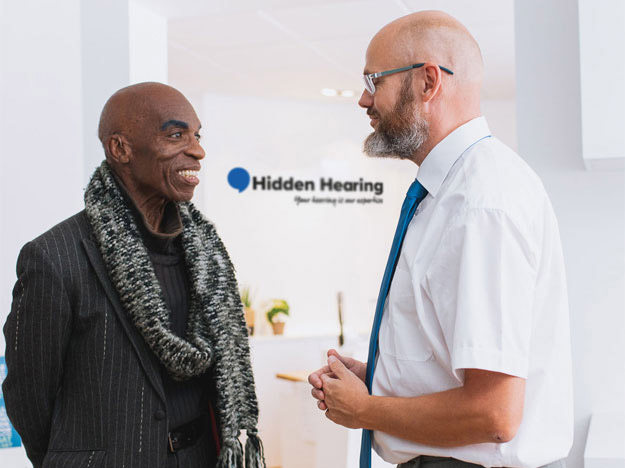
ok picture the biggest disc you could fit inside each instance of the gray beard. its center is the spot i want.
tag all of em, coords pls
(402, 144)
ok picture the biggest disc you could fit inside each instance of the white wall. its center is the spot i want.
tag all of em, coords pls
(590, 205)
(304, 254)
(148, 44)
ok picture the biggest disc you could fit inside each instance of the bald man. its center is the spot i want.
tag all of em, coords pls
(126, 342)
(469, 358)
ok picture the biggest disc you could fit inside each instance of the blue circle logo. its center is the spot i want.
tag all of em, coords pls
(239, 179)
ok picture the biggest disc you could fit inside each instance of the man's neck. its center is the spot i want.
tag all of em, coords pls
(151, 206)
(437, 134)
(152, 209)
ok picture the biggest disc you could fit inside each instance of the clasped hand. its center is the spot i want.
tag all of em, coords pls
(340, 390)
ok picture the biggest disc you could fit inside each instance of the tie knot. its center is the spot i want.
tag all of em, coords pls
(416, 190)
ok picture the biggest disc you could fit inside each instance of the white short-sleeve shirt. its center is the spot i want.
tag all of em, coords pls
(480, 284)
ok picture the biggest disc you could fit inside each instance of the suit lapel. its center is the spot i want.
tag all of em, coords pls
(146, 357)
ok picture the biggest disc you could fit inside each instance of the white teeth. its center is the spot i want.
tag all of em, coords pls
(189, 173)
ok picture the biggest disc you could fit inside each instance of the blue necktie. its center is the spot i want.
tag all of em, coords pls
(416, 193)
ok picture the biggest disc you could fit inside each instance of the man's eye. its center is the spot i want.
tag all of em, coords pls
(198, 137)
(176, 135)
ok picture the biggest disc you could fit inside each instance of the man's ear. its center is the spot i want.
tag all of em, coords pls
(118, 148)
(431, 82)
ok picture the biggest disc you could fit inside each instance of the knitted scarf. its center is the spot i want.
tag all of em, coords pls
(216, 334)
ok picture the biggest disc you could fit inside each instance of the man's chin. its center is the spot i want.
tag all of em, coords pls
(375, 146)
(186, 198)
(180, 196)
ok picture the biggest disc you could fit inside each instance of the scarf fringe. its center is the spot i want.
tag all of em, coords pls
(254, 451)
(231, 454)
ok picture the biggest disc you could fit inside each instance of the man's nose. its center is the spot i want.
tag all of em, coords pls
(196, 150)
(366, 99)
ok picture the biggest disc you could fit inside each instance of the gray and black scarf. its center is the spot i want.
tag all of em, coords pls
(216, 334)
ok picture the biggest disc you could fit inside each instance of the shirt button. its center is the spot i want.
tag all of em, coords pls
(159, 415)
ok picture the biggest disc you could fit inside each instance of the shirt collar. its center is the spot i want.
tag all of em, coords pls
(439, 161)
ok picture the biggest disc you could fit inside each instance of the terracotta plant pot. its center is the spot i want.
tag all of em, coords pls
(249, 319)
(278, 328)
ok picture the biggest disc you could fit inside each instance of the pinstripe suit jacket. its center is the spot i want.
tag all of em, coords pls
(83, 389)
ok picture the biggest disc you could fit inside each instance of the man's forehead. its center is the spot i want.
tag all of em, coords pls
(381, 55)
(378, 64)
(181, 111)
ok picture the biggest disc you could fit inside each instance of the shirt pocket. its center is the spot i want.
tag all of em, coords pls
(402, 336)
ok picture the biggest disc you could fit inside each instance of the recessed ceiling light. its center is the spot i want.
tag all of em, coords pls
(329, 92)
(347, 93)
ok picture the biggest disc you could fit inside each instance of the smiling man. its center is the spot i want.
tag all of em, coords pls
(469, 357)
(126, 342)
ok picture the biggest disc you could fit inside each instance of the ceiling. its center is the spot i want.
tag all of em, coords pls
(294, 48)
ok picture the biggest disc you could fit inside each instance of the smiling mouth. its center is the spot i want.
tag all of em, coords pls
(190, 176)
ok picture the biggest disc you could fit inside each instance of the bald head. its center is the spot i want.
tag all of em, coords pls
(433, 36)
(131, 108)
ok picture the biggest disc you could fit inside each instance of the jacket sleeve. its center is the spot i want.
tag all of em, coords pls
(37, 332)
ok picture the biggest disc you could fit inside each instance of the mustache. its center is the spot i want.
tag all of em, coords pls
(372, 113)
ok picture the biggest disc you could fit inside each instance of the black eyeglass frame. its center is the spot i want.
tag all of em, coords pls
(370, 85)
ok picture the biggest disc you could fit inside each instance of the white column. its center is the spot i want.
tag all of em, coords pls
(602, 68)
(547, 80)
(105, 67)
(148, 44)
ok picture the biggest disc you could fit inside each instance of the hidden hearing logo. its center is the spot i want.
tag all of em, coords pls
(239, 179)
(336, 192)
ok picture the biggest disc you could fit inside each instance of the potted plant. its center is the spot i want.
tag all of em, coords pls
(275, 315)
(246, 299)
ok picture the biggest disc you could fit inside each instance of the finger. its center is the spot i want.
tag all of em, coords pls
(314, 379)
(322, 405)
(334, 352)
(343, 359)
(318, 394)
(338, 367)
(328, 381)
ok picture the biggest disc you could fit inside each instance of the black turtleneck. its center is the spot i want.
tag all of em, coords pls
(189, 399)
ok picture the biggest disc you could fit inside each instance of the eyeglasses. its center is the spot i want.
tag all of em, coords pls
(370, 86)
